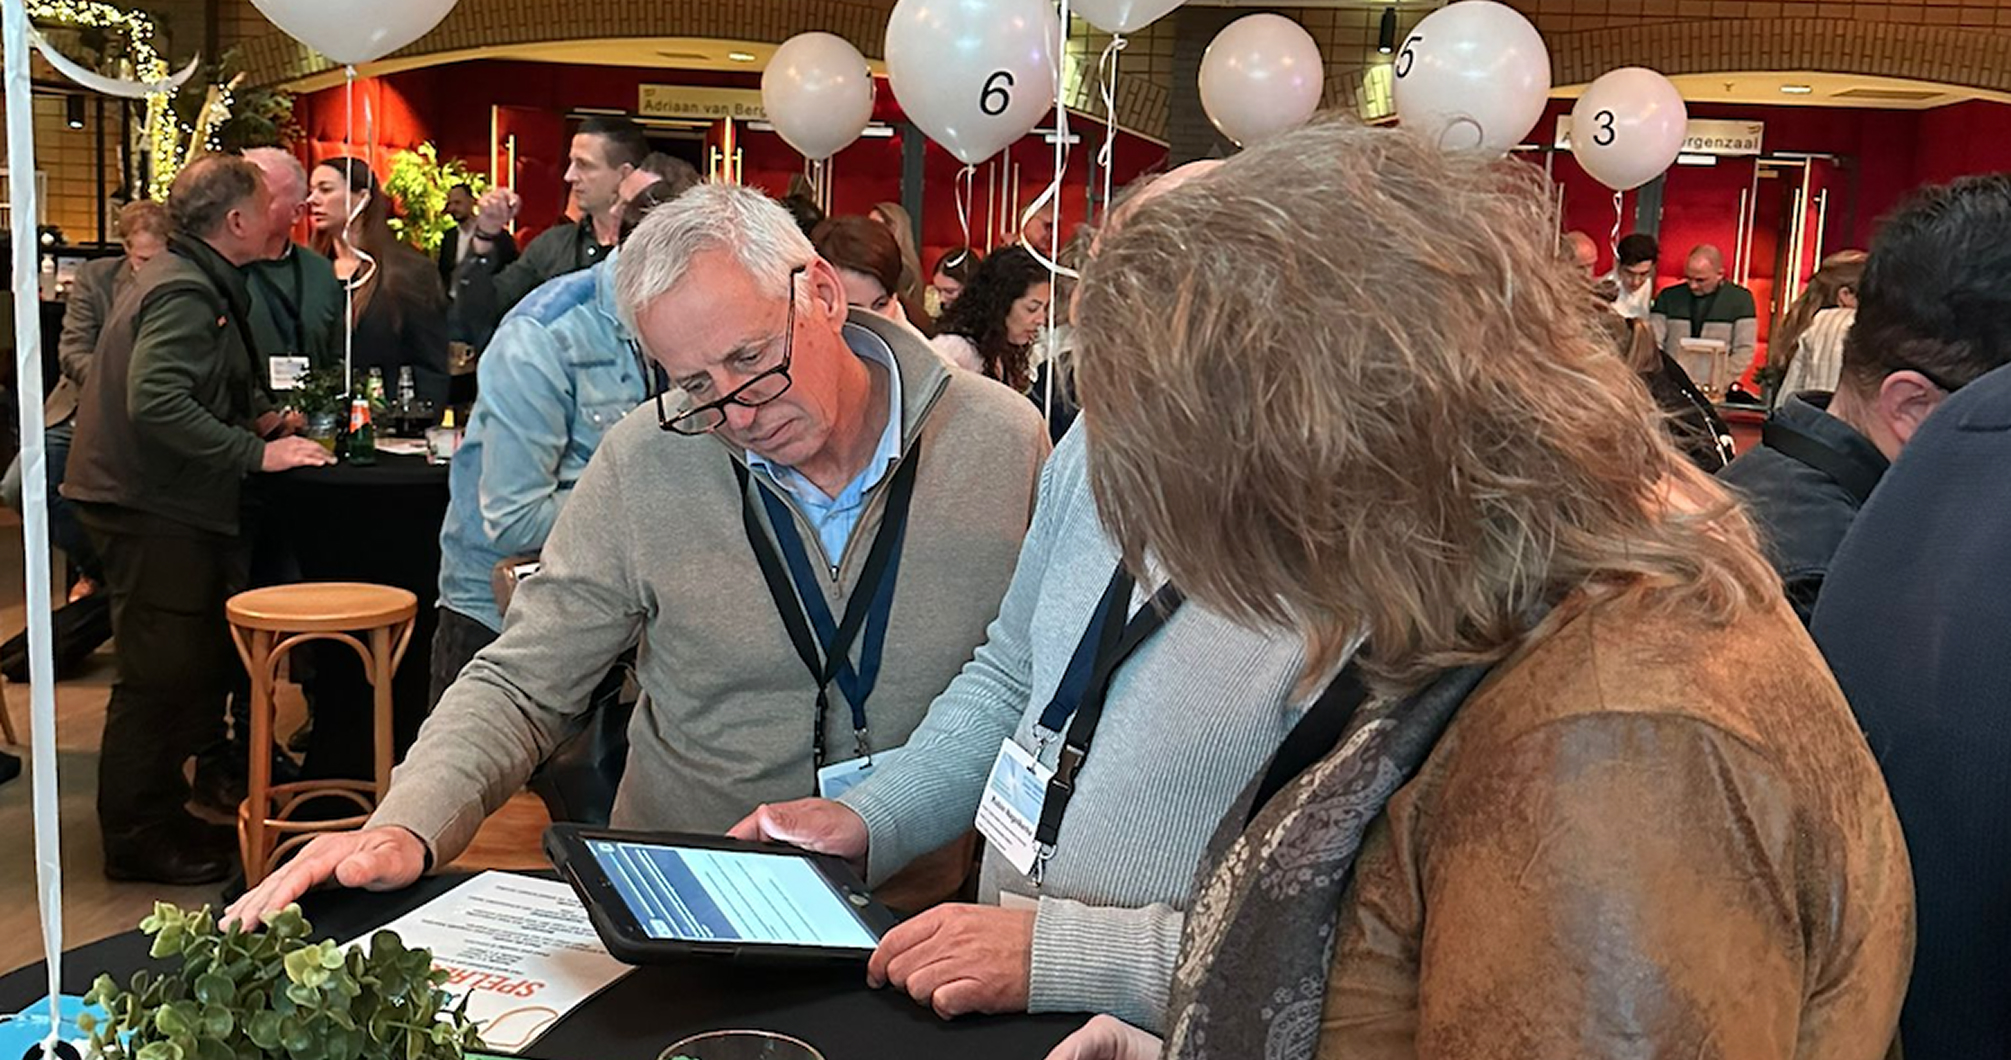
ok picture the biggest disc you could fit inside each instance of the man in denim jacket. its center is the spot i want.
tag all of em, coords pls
(559, 373)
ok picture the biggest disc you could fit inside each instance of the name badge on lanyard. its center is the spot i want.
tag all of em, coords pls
(825, 646)
(1024, 802)
(285, 373)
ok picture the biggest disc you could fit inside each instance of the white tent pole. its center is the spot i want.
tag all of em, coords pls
(34, 500)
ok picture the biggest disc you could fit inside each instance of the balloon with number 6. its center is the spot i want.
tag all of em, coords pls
(1628, 127)
(1261, 76)
(818, 93)
(975, 75)
(1472, 76)
(355, 31)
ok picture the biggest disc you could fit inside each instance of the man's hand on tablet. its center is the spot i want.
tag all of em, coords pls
(816, 825)
(959, 959)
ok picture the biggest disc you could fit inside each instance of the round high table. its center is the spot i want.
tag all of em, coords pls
(378, 524)
(637, 1018)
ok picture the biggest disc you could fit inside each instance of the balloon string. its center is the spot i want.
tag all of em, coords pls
(966, 188)
(349, 290)
(1107, 77)
(1050, 196)
(366, 267)
(1619, 217)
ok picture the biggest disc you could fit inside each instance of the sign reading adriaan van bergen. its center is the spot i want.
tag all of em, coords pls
(687, 101)
(1702, 136)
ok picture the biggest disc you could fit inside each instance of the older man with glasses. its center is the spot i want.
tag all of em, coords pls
(806, 540)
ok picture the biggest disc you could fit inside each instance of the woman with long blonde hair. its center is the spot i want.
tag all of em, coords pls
(1585, 788)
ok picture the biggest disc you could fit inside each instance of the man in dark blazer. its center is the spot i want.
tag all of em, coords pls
(454, 246)
(1914, 619)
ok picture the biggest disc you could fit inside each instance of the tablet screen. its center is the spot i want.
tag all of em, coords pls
(699, 895)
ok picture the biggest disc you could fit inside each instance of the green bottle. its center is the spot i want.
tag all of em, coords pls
(362, 436)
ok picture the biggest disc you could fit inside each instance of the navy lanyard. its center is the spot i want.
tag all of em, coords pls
(870, 605)
(1085, 685)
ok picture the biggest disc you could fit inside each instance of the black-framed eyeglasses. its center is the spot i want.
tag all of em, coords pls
(756, 392)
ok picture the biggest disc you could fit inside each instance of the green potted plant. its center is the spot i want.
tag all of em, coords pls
(320, 396)
(419, 182)
(273, 995)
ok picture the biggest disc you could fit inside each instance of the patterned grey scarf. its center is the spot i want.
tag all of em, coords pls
(1252, 977)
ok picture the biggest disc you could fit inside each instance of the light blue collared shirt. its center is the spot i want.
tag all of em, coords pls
(834, 518)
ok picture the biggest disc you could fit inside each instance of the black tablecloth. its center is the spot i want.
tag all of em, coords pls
(378, 524)
(635, 1019)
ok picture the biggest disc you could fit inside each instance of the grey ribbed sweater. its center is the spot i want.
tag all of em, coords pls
(1190, 719)
(652, 549)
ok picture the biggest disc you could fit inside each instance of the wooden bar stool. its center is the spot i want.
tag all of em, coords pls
(266, 625)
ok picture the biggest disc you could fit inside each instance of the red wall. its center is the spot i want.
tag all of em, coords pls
(450, 106)
(1963, 139)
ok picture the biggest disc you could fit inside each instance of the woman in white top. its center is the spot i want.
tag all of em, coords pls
(1811, 336)
(991, 328)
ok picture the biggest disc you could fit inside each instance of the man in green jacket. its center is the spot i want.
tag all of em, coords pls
(170, 424)
(296, 301)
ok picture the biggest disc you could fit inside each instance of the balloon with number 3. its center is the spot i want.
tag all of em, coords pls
(975, 75)
(1628, 127)
(1472, 76)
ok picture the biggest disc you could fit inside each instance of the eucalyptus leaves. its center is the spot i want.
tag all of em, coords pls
(273, 994)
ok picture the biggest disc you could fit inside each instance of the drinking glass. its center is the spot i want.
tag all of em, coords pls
(741, 1045)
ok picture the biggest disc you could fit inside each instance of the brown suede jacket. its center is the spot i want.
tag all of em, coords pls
(1639, 838)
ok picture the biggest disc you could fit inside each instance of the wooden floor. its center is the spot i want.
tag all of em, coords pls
(94, 907)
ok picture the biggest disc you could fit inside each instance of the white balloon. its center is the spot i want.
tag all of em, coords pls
(975, 75)
(1123, 16)
(1261, 76)
(818, 93)
(1473, 76)
(355, 31)
(1628, 127)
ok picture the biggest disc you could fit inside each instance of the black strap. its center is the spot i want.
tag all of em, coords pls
(1316, 735)
(1115, 642)
(1856, 479)
(867, 595)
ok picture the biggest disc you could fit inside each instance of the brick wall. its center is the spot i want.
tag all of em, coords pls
(1959, 42)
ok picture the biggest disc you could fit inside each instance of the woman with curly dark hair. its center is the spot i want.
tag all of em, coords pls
(991, 328)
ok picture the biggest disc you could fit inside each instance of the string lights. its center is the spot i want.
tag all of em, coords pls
(169, 143)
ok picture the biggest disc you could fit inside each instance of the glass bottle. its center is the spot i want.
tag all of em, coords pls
(362, 436)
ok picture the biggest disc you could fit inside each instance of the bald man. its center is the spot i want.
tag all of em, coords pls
(1093, 926)
(1708, 306)
(1584, 253)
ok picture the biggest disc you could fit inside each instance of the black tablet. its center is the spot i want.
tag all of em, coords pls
(659, 897)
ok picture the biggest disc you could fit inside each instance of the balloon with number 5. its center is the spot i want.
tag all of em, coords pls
(975, 75)
(1628, 127)
(355, 31)
(818, 93)
(1261, 76)
(1473, 75)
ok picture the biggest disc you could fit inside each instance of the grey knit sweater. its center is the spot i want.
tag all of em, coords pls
(1193, 715)
(651, 548)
